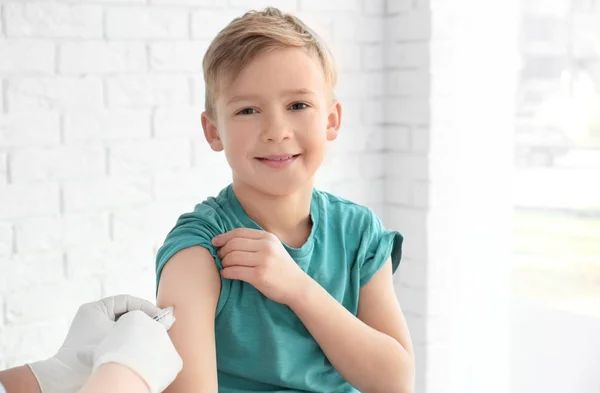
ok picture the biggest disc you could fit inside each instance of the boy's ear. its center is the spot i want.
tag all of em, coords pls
(211, 133)
(334, 120)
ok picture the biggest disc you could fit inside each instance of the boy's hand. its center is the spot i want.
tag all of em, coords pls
(259, 258)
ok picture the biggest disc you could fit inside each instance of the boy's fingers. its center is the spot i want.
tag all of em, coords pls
(242, 273)
(247, 233)
(238, 244)
(239, 258)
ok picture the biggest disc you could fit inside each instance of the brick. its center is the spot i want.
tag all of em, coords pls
(407, 111)
(206, 24)
(48, 233)
(2, 104)
(101, 57)
(199, 3)
(121, 2)
(44, 302)
(372, 112)
(410, 26)
(346, 167)
(141, 284)
(284, 5)
(347, 55)
(422, 4)
(178, 56)
(24, 129)
(32, 342)
(191, 184)
(354, 139)
(51, 19)
(372, 57)
(413, 224)
(397, 138)
(150, 23)
(398, 6)
(411, 274)
(331, 5)
(66, 162)
(117, 124)
(420, 137)
(406, 166)
(414, 302)
(353, 84)
(6, 241)
(54, 93)
(3, 168)
(360, 191)
(398, 191)
(107, 192)
(177, 122)
(198, 93)
(177, 185)
(407, 55)
(110, 259)
(351, 113)
(150, 222)
(403, 83)
(33, 269)
(319, 22)
(28, 200)
(20, 56)
(356, 28)
(148, 90)
(205, 157)
(374, 7)
(150, 156)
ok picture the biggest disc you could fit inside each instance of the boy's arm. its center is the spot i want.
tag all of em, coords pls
(191, 283)
(372, 352)
(19, 380)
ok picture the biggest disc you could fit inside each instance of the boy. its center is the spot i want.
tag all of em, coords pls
(267, 276)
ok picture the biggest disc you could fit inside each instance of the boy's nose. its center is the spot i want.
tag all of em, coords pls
(275, 131)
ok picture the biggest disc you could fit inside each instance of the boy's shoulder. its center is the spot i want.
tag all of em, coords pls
(336, 200)
(340, 208)
(212, 212)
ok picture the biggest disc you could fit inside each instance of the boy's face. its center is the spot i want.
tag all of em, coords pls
(274, 121)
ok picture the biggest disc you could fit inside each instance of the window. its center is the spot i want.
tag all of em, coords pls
(556, 274)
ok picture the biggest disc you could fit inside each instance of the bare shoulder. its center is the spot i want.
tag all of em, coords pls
(191, 283)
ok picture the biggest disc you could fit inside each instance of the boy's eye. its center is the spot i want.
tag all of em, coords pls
(247, 111)
(298, 106)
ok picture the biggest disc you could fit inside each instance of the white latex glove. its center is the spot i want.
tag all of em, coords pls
(68, 370)
(142, 344)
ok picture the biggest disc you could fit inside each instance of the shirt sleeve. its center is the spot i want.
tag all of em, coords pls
(382, 244)
(192, 229)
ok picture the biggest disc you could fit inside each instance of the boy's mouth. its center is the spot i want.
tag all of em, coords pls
(280, 157)
(278, 161)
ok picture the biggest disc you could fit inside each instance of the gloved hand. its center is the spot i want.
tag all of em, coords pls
(142, 344)
(68, 369)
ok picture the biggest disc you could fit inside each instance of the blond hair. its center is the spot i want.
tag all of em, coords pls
(252, 34)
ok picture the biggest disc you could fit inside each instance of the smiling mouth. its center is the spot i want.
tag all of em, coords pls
(278, 157)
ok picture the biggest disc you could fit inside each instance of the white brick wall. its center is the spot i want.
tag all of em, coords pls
(101, 146)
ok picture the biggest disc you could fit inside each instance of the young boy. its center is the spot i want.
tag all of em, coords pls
(278, 286)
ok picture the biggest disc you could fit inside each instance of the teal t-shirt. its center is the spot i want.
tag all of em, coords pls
(262, 346)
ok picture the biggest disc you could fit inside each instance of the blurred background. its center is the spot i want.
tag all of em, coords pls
(472, 127)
